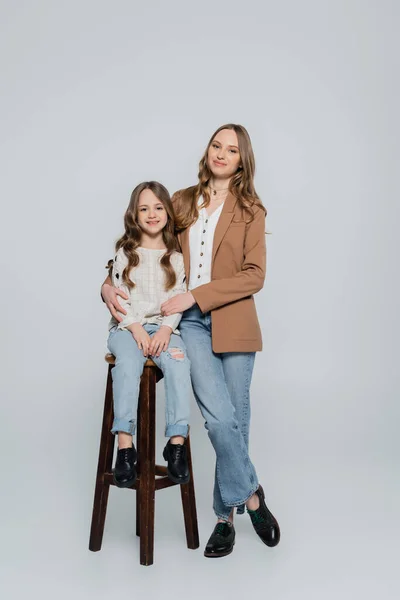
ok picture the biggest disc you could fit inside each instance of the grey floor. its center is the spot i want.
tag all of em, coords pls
(340, 530)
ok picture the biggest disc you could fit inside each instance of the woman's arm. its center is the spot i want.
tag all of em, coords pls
(245, 283)
(224, 291)
(110, 294)
(179, 288)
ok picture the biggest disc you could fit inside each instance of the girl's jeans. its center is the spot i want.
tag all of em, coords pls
(221, 384)
(126, 374)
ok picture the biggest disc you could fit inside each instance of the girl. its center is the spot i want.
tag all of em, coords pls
(221, 224)
(148, 270)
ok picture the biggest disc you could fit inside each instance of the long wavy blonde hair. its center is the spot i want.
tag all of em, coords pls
(132, 237)
(241, 184)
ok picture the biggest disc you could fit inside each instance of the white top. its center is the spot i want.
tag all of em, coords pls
(201, 238)
(146, 297)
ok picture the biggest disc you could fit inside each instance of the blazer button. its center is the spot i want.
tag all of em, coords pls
(202, 243)
(201, 254)
(117, 275)
(200, 265)
(198, 276)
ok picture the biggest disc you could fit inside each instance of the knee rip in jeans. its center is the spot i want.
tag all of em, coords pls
(176, 354)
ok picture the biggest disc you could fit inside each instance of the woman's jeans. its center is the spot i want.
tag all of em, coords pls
(129, 364)
(221, 384)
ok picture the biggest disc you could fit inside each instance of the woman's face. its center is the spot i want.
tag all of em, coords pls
(223, 158)
(152, 216)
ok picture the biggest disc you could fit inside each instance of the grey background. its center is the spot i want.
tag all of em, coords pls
(97, 96)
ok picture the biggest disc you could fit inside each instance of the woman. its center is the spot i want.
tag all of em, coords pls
(221, 230)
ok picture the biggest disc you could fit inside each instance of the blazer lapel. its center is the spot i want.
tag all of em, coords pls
(224, 221)
(183, 238)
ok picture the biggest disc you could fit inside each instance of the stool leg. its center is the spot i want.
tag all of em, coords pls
(147, 454)
(138, 511)
(138, 471)
(189, 505)
(104, 465)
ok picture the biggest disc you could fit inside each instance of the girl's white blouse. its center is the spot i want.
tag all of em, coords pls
(145, 298)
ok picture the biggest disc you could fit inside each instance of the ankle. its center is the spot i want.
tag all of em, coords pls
(228, 520)
(177, 439)
(253, 503)
(125, 440)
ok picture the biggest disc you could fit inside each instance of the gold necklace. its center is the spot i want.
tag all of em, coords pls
(214, 191)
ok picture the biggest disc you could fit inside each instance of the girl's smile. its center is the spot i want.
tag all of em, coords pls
(151, 214)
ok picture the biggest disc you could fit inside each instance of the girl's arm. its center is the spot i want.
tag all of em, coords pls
(245, 283)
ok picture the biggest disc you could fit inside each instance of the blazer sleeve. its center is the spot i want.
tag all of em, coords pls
(245, 283)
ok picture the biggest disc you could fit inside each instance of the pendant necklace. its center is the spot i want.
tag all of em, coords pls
(215, 191)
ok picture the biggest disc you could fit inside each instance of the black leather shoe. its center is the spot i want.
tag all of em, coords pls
(221, 541)
(176, 456)
(124, 473)
(264, 522)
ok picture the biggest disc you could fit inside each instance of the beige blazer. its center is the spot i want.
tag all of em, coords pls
(237, 272)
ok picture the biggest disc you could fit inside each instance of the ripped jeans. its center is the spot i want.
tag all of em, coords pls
(129, 364)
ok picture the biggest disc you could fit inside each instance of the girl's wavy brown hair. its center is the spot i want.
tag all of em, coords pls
(133, 234)
(241, 184)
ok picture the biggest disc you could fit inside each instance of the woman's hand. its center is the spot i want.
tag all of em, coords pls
(177, 304)
(160, 340)
(141, 336)
(110, 296)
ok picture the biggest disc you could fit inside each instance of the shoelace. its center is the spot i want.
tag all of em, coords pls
(255, 517)
(219, 529)
(124, 454)
(178, 451)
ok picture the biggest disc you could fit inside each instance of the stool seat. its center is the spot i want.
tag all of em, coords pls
(150, 476)
(110, 359)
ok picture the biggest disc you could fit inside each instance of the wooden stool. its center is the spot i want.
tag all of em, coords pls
(151, 477)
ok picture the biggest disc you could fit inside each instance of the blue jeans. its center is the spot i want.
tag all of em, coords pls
(221, 384)
(126, 375)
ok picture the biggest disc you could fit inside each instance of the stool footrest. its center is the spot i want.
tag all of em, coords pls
(161, 482)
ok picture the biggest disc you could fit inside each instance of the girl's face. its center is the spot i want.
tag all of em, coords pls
(152, 216)
(223, 158)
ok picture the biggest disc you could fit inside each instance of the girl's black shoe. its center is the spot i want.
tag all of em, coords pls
(264, 522)
(221, 541)
(124, 473)
(176, 457)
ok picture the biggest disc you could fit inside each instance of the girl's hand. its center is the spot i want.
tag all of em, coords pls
(177, 304)
(160, 340)
(110, 296)
(141, 336)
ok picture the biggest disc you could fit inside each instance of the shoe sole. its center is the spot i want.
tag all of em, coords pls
(177, 480)
(125, 484)
(218, 554)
